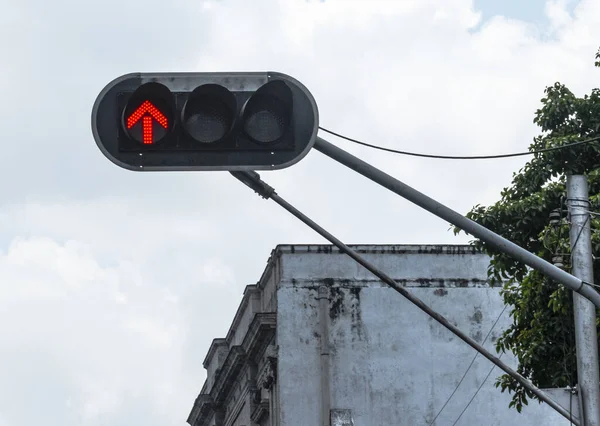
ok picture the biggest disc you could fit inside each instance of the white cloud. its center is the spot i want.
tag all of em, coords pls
(63, 305)
(558, 14)
(113, 283)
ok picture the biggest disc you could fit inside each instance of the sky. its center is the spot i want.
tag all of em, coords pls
(113, 283)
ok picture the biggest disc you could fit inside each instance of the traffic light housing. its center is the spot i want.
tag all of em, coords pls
(205, 121)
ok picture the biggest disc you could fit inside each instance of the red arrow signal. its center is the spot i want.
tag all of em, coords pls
(147, 111)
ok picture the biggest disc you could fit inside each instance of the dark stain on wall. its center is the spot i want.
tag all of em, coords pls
(336, 303)
(345, 301)
(477, 317)
(355, 314)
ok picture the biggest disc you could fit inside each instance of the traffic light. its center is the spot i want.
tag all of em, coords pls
(205, 121)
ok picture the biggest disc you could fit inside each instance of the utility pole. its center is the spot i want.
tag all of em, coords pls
(586, 339)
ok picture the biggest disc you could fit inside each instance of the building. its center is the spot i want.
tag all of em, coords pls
(319, 337)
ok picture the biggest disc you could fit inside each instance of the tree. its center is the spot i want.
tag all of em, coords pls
(542, 331)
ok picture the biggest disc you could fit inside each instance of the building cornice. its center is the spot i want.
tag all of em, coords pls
(202, 411)
(216, 343)
(228, 373)
(248, 390)
(249, 291)
(453, 249)
(260, 411)
(260, 333)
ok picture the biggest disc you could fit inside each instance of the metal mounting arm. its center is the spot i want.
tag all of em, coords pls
(440, 210)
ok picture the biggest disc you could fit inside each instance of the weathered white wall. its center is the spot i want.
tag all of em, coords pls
(390, 363)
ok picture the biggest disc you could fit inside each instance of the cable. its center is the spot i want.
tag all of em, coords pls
(459, 157)
(475, 394)
(575, 245)
(592, 284)
(468, 368)
(580, 231)
(254, 182)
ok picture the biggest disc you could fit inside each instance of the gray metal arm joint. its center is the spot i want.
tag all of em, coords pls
(252, 180)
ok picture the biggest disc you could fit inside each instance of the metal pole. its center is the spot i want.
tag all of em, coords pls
(586, 338)
(323, 297)
(440, 210)
(252, 179)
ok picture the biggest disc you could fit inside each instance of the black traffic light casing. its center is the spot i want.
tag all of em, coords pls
(205, 121)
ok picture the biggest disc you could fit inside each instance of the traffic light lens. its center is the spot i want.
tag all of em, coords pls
(209, 122)
(208, 114)
(267, 113)
(148, 116)
(265, 124)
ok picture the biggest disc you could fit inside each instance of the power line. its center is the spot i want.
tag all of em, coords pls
(580, 231)
(459, 157)
(581, 226)
(468, 368)
(475, 394)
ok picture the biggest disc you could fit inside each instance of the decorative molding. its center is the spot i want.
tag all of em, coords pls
(260, 333)
(267, 375)
(228, 374)
(260, 411)
(254, 347)
(214, 346)
(256, 396)
(272, 262)
(220, 400)
(204, 408)
(232, 416)
(249, 292)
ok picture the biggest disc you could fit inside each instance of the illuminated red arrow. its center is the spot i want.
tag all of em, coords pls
(148, 112)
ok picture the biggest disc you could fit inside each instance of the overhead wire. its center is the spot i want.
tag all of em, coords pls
(580, 231)
(459, 157)
(475, 394)
(468, 368)
(581, 227)
(564, 336)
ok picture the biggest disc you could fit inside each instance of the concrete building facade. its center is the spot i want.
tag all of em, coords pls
(320, 341)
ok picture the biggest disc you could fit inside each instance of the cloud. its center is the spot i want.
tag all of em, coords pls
(95, 334)
(113, 283)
